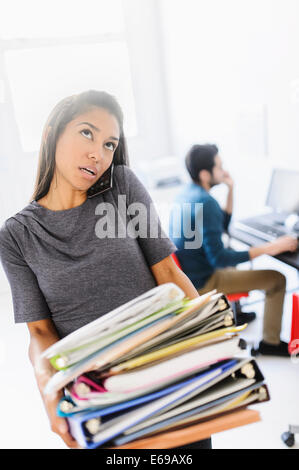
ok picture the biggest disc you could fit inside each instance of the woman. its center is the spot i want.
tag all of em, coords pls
(63, 268)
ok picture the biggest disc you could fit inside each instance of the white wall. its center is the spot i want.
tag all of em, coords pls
(152, 141)
(232, 71)
(142, 36)
(224, 72)
(219, 71)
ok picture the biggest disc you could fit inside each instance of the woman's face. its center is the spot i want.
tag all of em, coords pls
(85, 149)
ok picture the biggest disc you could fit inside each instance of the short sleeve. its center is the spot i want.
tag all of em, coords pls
(29, 303)
(152, 239)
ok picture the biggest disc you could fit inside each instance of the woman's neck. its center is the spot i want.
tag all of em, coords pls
(57, 200)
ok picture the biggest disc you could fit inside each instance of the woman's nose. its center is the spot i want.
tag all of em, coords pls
(95, 156)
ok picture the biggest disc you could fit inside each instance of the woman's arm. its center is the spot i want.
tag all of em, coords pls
(42, 335)
(167, 271)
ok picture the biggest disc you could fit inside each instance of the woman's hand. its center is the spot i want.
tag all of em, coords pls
(43, 335)
(58, 425)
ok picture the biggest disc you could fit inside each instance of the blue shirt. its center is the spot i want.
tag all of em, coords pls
(208, 222)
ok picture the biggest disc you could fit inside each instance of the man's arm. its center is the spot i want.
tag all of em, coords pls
(230, 195)
(217, 255)
(280, 245)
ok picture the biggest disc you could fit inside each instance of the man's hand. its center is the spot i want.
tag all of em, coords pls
(280, 245)
(283, 244)
(227, 179)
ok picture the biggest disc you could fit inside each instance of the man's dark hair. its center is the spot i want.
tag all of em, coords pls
(200, 157)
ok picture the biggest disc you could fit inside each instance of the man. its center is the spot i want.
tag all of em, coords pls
(211, 266)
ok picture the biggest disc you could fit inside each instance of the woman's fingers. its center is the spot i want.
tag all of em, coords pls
(59, 425)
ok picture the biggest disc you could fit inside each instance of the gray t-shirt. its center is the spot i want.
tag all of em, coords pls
(59, 266)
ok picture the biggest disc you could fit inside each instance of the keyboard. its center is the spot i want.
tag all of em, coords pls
(260, 230)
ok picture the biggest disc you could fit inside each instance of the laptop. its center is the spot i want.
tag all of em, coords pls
(283, 199)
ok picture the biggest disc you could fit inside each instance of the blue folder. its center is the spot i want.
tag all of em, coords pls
(102, 411)
(77, 421)
(124, 439)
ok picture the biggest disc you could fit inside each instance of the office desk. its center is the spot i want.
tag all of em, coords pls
(292, 259)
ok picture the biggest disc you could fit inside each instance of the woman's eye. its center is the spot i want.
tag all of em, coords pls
(86, 133)
(110, 146)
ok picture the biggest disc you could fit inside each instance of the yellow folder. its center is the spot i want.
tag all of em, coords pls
(173, 349)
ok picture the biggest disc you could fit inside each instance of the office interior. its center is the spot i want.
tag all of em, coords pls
(184, 72)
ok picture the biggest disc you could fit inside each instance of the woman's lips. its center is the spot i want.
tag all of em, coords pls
(88, 172)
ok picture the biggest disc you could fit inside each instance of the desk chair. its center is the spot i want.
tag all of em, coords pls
(234, 299)
(288, 437)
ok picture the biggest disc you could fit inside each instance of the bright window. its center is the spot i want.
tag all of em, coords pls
(60, 18)
(40, 77)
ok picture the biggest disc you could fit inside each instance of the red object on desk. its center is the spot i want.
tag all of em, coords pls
(231, 297)
(294, 341)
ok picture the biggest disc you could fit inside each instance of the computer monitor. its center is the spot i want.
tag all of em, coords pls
(283, 194)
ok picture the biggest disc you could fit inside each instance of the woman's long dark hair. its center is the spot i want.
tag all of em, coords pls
(64, 112)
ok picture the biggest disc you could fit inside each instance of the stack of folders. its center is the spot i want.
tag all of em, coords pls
(157, 363)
